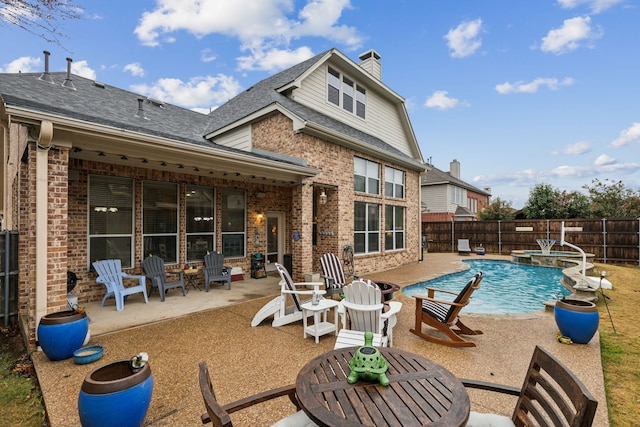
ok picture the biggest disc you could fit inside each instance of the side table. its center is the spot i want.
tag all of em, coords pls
(192, 278)
(320, 324)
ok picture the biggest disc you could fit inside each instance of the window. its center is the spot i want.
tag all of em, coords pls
(361, 101)
(200, 221)
(393, 227)
(472, 204)
(366, 176)
(457, 195)
(111, 219)
(393, 183)
(345, 93)
(334, 86)
(366, 226)
(160, 220)
(233, 223)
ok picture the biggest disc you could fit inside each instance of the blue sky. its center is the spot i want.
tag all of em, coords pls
(521, 92)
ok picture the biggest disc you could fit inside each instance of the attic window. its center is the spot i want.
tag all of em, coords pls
(344, 92)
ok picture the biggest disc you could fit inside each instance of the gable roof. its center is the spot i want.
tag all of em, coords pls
(271, 93)
(435, 176)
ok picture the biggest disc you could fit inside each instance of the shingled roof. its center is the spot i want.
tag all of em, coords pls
(435, 176)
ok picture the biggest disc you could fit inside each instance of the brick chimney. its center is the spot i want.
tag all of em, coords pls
(370, 61)
(454, 169)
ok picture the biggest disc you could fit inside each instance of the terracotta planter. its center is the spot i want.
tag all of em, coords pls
(577, 319)
(114, 395)
(62, 333)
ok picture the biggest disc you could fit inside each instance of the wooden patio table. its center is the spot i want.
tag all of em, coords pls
(420, 393)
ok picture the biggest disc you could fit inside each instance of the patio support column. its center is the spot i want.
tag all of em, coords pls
(42, 219)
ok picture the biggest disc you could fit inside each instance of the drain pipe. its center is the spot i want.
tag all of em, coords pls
(584, 256)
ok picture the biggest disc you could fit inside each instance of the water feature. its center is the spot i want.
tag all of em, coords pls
(507, 288)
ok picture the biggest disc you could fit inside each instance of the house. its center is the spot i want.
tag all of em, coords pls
(312, 159)
(445, 197)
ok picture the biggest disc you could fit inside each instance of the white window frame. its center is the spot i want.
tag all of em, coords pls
(394, 227)
(457, 195)
(371, 242)
(234, 201)
(206, 217)
(370, 172)
(395, 178)
(347, 89)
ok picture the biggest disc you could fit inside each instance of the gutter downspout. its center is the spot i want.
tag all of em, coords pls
(41, 221)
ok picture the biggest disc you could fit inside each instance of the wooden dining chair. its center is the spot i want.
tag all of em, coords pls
(444, 315)
(218, 414)
(551, 395)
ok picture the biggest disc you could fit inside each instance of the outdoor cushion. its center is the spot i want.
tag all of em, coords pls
(477, 419)
(299, 419)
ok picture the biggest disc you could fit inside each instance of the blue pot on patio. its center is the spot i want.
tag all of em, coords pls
(115, 395)
(577, 319)
(62, 333)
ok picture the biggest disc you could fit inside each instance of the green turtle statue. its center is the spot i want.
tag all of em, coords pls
(368, 364)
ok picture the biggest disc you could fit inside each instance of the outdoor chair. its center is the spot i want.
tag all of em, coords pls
(443, 315)
(463, 247)
(551, 395)
(154, 269)
(219, 415)
(283, 314)
(333, 273)
(362, 311)
(110, 274)
(215, 270)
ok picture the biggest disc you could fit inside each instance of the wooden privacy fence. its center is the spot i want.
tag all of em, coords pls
(611, 240)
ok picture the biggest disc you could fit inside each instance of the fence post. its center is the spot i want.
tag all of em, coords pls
(499, 237)
(548, 233)
(604, 239)
(453, 237)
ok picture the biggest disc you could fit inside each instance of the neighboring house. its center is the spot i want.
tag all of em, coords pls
(311, 159)
(445, 197)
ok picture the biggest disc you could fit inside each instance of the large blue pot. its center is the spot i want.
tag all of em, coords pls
(62, 333)
(114, 395)
(577, 319)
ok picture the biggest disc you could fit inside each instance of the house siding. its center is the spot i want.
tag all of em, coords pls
(238, 138)
(382, 117)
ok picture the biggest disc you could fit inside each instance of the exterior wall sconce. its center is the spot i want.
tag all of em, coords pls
(259, 216)
(323, 198)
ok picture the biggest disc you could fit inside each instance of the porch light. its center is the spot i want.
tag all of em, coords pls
(323, 198)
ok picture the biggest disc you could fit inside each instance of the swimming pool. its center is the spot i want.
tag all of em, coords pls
(507, 288)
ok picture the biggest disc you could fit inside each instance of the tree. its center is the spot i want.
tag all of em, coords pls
(542, 203)
(40, 17)
(497, 210)
(610, 199)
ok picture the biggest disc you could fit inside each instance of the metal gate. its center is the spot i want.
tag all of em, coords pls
(8, 275)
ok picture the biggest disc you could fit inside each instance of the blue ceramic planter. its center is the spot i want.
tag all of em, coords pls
(114, 396)
(62, 333)
(577, 319)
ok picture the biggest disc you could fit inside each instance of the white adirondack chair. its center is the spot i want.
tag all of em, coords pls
(110, 274)
(362, 311)
(283, 314)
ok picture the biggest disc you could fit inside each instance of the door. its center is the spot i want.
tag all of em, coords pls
(275, 239)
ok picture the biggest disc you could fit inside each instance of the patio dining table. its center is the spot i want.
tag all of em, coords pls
(420, 393)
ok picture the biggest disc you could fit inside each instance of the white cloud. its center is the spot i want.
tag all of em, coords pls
(573, 33)
(604, 159)
(263, 27)
(197, 92)
(628, 136)
(577, 148)
(463, 40)
(206, 55)
(596, 6)
(440, 100)
(82, 69)
(24, 64)
(274, 59)
(533, 86)
(603, 165)
(135, 69)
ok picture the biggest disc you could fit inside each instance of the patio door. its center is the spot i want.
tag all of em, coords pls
(275, 239)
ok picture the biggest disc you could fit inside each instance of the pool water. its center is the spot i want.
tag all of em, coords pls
(507, 288)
